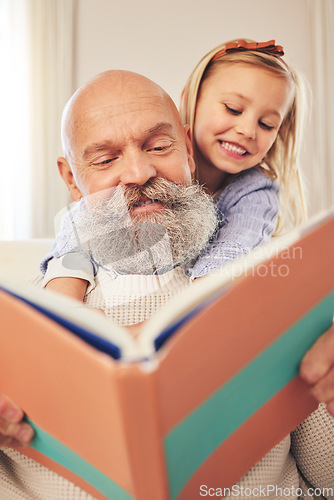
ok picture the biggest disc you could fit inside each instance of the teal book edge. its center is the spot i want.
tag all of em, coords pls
(194, 439)
(49, 446)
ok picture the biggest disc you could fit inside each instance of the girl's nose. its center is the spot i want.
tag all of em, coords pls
(246, 127)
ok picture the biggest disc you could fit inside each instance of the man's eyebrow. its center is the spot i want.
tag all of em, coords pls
(161, 127)
(98, 146)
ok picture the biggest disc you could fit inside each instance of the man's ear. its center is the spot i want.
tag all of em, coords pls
(68, 177)
(189, 146)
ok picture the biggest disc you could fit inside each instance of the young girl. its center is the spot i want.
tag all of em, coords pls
(246, 111)
(244, 106)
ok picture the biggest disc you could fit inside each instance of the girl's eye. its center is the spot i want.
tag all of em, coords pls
(231, 110)
(265, 126)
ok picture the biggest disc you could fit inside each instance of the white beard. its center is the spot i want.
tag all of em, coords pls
(102, 225)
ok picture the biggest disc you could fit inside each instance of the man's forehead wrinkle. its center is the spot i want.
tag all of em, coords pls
(138, 101)
(118, 107)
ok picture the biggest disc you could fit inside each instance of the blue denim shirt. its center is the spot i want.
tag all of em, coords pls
(247, 210)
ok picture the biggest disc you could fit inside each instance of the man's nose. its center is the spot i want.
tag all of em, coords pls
(137, 169)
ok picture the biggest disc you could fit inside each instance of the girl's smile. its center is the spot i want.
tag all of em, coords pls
(233, 149)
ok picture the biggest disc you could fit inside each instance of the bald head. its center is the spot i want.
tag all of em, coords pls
(112, 88)
(121, 128)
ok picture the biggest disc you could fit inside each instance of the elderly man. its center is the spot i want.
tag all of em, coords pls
(128, 158)
(122, 130)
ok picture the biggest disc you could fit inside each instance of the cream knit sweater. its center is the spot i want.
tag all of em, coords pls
(308, 453)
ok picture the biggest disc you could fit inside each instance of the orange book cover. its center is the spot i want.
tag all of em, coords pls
(157, 418)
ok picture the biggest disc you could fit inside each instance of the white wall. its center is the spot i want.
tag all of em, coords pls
(164, 40)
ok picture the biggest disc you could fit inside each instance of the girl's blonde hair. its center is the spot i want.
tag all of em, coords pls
(282, 160)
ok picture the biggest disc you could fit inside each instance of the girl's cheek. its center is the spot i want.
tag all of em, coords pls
(273, 140)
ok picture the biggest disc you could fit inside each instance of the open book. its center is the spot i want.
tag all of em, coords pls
(157, 417)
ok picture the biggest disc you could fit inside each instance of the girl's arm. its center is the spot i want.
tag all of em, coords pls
(69, 267)
(72, 287)
(69, 275)
(248, 208)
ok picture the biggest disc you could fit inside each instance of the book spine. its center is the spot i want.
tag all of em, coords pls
(142, 429)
